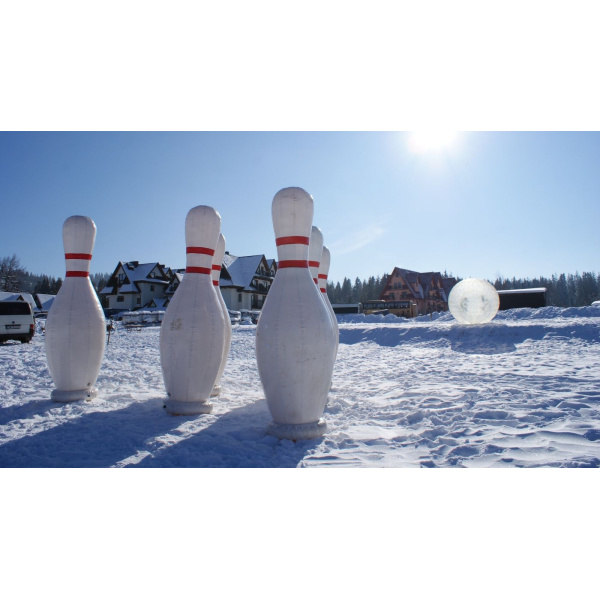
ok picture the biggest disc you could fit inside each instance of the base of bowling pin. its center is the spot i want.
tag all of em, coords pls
(73, 395)
(178, 408)
(216, 391)
(302, 431)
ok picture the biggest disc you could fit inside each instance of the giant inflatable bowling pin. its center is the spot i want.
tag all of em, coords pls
(322, 278)
(315, 253)
(315, 249)
(192, 334)
(75, 328)
(216, 275)
(294, 336)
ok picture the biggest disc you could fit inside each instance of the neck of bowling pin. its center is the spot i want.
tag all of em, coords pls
(216, 274)
(199, 260)
(322, 282)
(292, 251)
(77, 264)
(314, 270)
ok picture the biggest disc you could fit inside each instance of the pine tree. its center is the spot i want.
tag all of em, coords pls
(55, 285)
(357, 291)
(588, 289)
(11, 274)
(338, 293)
(346, 291)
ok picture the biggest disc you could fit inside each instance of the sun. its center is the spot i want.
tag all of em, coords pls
(430, 141)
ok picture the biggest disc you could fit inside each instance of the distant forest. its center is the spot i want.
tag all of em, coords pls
(13, 278)
(562, 290)
(359, 291)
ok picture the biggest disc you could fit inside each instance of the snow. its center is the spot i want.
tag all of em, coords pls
(520, 391)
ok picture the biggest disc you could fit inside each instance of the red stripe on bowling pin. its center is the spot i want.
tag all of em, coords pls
(285, 264)
(199, 250)
(76, 256)
(202, 270)
(292, 239)
(77, 273)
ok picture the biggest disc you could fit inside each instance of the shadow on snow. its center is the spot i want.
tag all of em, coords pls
(147, 436)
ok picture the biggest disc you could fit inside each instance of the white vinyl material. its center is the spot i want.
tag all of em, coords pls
(216, 275)
(473, 301)
(322, 277)
(192, 333)
(315, 250)
(295, 338)
(75, 333)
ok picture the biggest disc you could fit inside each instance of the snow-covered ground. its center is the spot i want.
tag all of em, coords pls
(521, 391)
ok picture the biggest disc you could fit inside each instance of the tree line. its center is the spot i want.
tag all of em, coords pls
(359, 291)
(14, 278)
(561, 290)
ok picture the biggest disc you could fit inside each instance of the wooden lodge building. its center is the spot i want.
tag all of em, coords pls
(429, 291)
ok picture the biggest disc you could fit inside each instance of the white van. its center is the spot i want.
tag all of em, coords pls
(16, 321)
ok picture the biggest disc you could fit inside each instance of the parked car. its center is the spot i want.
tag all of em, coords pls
(16, 321)
(596, 303)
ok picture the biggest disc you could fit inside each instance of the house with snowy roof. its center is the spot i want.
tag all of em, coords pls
(133, 285)
(174, 281)
(245, 280)
(44, 301)
(429, 290)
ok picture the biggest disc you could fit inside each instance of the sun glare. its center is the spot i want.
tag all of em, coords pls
(430, 141)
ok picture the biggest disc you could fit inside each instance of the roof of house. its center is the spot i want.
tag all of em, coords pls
(158, 303)
(448, 283)
(239, 271)
(134, 274)
(45, 301)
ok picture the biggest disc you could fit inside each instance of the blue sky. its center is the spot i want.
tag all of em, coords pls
(483, 204)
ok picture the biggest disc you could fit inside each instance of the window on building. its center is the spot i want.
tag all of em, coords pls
(239, 297)
(120, 298)
(151, 288)
(139, 300)
(121, 278)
